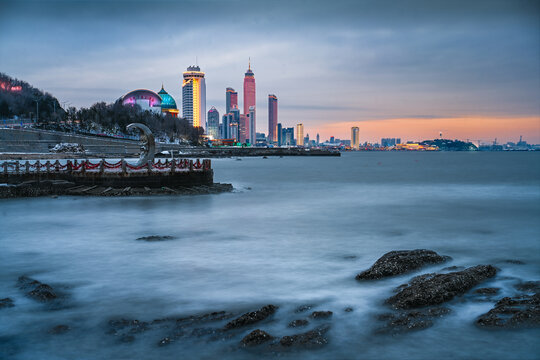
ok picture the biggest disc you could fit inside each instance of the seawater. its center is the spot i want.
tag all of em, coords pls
(295, 231)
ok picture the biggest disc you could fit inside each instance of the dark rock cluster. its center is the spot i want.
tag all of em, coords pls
(252, 317)
(256, 337)
(410, 320)
(38, 291)
(434, 289)
(516, 312)
(310, 339)
(400, 262)
(153, 238)
(6, 302)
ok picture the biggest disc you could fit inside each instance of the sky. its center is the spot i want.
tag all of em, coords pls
(408, 69)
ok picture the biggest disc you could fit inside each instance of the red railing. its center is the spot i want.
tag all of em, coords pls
(103, 166)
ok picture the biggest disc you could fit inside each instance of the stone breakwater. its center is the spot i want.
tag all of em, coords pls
(180, 176)
(415, 306)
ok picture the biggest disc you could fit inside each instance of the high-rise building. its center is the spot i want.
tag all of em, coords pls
(318, 139)
(300, 134)
(355, 137)
(212, 125)
(234, 126)
(279, 134)
(287, 137)
(194, 96)
(243, 128)
(252, 125)
(249, 89)
(226, 121)
(272, 119)
(231, 99)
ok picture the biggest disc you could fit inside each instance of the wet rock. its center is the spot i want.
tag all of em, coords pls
(298, 323)
(438, 288)
(517, 312)
(304, 308)
(59, 329)
(348, 309)
(529, 286)
(40, 292)
(6, 302)
(410, 321)
(399, 262)
(252, 317)
(321, 314)
(487, 291)
(256, 337)
(43, 293)
(350, 257)
(514, 261)
(312, 339)
(156, 238)
(453, 268)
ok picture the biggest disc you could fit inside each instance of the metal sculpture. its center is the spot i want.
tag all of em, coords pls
(148, 143)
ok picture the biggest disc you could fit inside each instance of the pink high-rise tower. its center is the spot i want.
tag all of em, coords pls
(249, 90)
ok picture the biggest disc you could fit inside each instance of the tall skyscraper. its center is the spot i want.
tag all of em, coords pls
(252, 125)
(194, 96)
(231, 99)
(355, 137)
(300, 134)
(318, 139)
(234, 126)
(212, 126)
(249, 89)
(279, 134)
(272, 118)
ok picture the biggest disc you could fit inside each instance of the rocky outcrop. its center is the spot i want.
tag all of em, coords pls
(6, 302)
(312, 339)
(435, 289)
(410, 320)
(252, 317)
(40, 292)
(59, 329)
(298, 323)
(517, 312)
(153, 238)
(256, 337)
(487, 291)
(400, 262)
(321, 314)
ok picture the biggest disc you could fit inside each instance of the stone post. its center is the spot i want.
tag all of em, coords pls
(102, 166)
(69, 167)
(27, 165)
(48, 166)
(17, 168)
(57, 166)
(124, 167)
(173, 167)
(190, 165)
(5, 168)
(83, 166)
(149, 167)
(38, 166)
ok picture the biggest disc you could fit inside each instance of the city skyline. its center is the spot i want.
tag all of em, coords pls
(396, 70)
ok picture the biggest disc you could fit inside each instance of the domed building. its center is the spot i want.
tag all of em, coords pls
(168, 105)
(149, 100)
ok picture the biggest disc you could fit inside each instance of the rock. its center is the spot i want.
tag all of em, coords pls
(517, 312)
(156, 238)
(43, 293)
(410, 321)
(515, 262)
(487, 291)
(399, 262)
(321, 314)
(529, 286)
(311, 339)
(6, 302)
(438, 288)
(298, 323)
(59, 329)
(348, 309)
(256, 337)
(252, 317)
(24, 282)
(304, 308)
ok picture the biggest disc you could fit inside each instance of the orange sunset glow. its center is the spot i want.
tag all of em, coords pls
(474, 128)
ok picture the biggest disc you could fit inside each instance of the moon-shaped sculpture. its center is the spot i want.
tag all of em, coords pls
(148, 143)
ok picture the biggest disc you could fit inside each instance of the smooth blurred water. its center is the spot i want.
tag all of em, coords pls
(296, 231)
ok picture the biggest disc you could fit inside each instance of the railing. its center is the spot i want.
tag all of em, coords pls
(104, 167)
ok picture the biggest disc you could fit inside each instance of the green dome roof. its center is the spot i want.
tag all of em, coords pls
(167, 101)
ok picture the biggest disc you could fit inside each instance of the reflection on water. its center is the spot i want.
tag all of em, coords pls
(296, 231)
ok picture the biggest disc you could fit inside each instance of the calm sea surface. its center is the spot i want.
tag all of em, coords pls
(295, 231)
